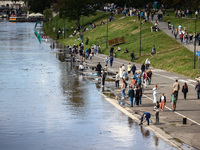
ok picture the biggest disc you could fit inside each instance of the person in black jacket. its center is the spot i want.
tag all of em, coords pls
(142, 68)
(99, 69)
(185, 90)
(133, 69)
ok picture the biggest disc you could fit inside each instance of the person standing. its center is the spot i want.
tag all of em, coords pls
(99, 69)
(197, 88)
(103, 78)
(120, 72)
(106, 60)
(162, 101)
(132, 56)
(147, 63)
(155, 89)
(156, 108)
(123, 87)
(142, 68)
(111, 60)
(176, 87)
(174, 100)
(137, 95)
(111, 51)
(133, 69)
(140, 95)
(149, 75)
(117, 78)
(124, 76)
(185, 90)
(129, 68)
(131, 95)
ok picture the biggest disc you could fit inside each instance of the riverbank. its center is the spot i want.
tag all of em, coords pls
(171, 55)
(171, 127)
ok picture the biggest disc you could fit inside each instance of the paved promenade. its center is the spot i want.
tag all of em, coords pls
(164, 27)
(171, 123)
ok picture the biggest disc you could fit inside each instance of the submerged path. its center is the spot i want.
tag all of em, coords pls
(170, 122)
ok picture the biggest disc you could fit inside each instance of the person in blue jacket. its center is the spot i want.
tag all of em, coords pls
(145, 118)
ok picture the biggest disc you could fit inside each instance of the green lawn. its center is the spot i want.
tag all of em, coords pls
(171, 55)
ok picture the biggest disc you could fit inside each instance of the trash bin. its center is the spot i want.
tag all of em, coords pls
(184, 120)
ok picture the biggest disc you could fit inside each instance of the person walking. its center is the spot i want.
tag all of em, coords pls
(98, 69)
(111, 60)
(123, 87)
(137, 95)
(129, 68)
(162, 101)
(174, 100)
(197, 88)
(131, 95)
(185, 90)
(132, 56)
(155, 93)
(176, 87)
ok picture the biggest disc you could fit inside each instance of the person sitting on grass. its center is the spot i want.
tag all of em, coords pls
(153, 50)
(126, 50)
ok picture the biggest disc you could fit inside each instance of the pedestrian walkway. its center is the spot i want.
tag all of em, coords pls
(164, 27)
(170, 122)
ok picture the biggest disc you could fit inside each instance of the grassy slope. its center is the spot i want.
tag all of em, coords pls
(171, 55)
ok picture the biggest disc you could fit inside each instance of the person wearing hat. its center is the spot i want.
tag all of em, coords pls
(145, 118)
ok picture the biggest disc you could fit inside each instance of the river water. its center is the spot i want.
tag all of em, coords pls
(46, 105)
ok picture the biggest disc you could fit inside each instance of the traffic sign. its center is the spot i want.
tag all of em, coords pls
(198, 53)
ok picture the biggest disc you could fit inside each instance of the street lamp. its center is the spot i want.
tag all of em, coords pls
(140, 34)
(107, 32)
(195, 44)
(64, 23)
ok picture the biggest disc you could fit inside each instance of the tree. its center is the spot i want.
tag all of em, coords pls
(73, 9)
(47, 14)
(39, 5)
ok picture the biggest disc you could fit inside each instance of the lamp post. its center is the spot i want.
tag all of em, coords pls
(140, 35)
(195, 44)
(107, 32)
(64, 23)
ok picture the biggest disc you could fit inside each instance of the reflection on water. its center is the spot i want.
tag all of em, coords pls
(45, 104)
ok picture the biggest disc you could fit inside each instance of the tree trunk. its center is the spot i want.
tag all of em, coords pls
(78, 24)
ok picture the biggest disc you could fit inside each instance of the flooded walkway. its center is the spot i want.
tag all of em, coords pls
(45, 104)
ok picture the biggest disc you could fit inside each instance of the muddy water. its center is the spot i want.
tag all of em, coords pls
(44, 104)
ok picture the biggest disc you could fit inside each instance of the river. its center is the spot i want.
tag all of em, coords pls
(46, 105)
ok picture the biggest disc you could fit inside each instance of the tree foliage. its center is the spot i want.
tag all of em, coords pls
(39, 5)
(73, 9)
(47, 14)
